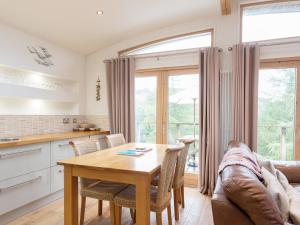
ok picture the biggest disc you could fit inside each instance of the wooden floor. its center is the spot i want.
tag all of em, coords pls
(197, 212)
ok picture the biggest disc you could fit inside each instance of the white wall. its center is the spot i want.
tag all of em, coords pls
(226, 34)
(67, 64)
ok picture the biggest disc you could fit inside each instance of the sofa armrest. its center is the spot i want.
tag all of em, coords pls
(291, 169)
(224, 211)
(227, 213)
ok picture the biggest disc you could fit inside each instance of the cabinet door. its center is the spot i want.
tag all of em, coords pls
(21, 190)
(25, 159)
(57, 178)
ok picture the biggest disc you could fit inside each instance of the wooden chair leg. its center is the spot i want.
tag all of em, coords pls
(118, 215)
(158, 219)
(112, 213)
(179, 196)
(176, 207)
(82, 210)
(182, 196)
(169, 215)
(99, 207)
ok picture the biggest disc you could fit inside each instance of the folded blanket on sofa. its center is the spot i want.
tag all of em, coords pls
(241, 157)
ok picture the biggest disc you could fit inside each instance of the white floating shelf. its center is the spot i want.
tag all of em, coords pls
(17, 91)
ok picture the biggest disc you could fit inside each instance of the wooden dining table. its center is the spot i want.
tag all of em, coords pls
(107, 165)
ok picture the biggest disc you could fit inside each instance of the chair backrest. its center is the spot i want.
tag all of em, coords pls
(82, 148)
(85, 147)
(181, 162)
(115, 140)
(167, 173)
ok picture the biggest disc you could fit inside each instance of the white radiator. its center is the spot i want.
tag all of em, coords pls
(225, 110)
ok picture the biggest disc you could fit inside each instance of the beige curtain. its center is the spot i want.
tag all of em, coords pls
(245, 94)
(120, 87)
(209, 66)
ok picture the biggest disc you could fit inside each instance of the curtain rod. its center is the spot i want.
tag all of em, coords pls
(169, 54)
(145, 56)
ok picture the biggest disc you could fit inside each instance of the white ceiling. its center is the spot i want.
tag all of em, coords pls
(74, 23)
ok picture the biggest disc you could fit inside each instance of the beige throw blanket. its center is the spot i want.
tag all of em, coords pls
(241, 157)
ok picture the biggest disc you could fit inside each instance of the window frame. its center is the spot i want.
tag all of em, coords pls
(277, 40)
(277, 63)
(209, 30)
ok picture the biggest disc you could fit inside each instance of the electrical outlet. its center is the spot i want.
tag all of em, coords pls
(66, 120)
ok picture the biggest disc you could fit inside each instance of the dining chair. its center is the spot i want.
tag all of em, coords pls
(115, 140)
(160, 196)
(96, 189)
(178, 183)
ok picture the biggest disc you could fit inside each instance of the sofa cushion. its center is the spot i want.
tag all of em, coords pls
(265, 163)
(284, 182)
(243, 188)
(295, 207)
(296, 187)
(277, 190)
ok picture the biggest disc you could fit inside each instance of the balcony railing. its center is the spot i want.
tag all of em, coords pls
(276, 141)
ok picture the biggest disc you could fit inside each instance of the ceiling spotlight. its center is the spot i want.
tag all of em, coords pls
(100, 12)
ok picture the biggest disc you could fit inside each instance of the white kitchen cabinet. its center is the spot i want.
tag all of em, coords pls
(21, 190)
(57, 178)
(24, 159)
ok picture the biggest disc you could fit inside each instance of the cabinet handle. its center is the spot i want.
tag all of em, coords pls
(20, 184)
(15, 154)
(63, 145)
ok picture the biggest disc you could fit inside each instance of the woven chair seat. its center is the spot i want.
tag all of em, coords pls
(126, 198)
(103, 190)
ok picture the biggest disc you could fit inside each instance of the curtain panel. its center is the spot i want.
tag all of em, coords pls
(245, 94)
(209, 71)
(120, 88)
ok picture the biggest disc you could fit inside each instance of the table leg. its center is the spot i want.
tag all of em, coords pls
(143, 201)
(70, 197)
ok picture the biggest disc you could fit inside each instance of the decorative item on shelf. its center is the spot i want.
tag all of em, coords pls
(98, 96)
(86, 127)
(42, 54)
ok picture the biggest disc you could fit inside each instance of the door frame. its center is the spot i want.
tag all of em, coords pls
(162, 75)
(289, 63)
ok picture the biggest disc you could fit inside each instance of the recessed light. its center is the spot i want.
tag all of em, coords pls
(100, 12)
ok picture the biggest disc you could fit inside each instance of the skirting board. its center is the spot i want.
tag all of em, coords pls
(17, 213)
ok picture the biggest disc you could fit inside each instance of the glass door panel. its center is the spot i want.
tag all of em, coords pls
(276, 113)
(145, 108)
(183, 112)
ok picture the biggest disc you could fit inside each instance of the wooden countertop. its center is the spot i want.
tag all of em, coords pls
(26, 140)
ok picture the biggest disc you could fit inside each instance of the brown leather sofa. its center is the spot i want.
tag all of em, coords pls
(227, 213)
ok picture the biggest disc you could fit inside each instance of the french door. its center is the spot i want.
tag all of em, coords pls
(279, 110)
(167, 107)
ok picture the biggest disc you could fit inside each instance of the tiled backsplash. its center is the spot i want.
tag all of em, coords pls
(16, 126)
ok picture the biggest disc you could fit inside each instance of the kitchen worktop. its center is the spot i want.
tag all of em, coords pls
(34, 139)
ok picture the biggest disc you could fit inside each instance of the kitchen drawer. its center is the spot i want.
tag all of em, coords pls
(61, 150)
(101, 139)
(17, 161)
(19, 191)
(57, 178)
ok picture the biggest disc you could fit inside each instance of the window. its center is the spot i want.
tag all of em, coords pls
(270, 21)
(181, 42)
(278, 112)
(167, 108)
